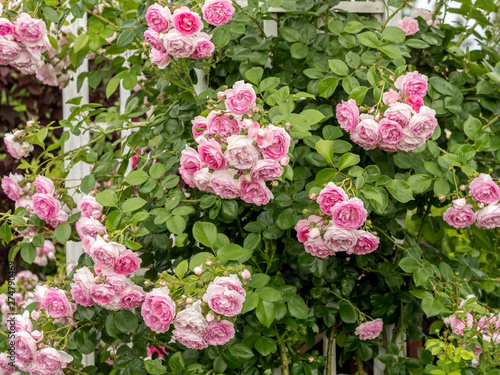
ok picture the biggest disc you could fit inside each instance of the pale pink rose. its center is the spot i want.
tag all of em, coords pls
(57, 305)
(366, 133)
(303, 227)
(6, 27)
(409, 25)
(390, 97)
(426, 15)
(263, 137)
(280, 144)
(423, 123)
(400, 113)
(390, 131)
(114, 304)
(127, 263)
(267, 170)
(488, 217)
(223, 301)
(51, 361)
(219, 332)
(189, 340)
(29, 29)
(24, 348)
(231, 282)
(45, 206)
(349, 214)
(390, 147)
(179, 45)
(245, 274)
(23, 322)
(47, 74)
(117, 282)
(416, 103)
(80, 296)
(187, 177)
(338, 239)
(61, 217)
(412, 84)
(37, 335)
(186, 22)
(9, 51)
(106, 254)
(199, 126)
(410, 141)
(217, 12)
(102, 294)
(210, 153)
(160, 59)
(329, 196)
(40, 260)
(153, 39)
(5, 367)
(366, 243)
(87, 243)
(48, 249)
(460, 215)
(240, 98)
(369, 330)
(204, 46)
(348, 114)
(190, 160)
(132, 297)
(223, 125)
(40, 293)
(158, 310)
(160, 350)
(255, 192)
(483, 189)
(225, 185)
(241, 152)
(44, 185)
(88, 226)
(89, 207)
(458, 325)
(191, 319)
(40, 46)
(317, 247)
(203, 180)
(158, 17)
(10, 186)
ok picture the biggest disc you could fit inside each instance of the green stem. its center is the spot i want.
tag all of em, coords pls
(285, 361)
(393, 14)
(359, 364)
(331, 340)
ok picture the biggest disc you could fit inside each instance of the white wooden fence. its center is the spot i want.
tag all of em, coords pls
(73, 249)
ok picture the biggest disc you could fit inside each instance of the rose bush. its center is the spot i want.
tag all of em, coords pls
(394, 225)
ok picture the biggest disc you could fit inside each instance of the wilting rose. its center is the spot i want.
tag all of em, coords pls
(369, 330)
(217, 12)
(240, 98)
(222, 125)
(241, 152)
(483, 189)
(460, 215)
(225, 185)
(348, 114)
(255, 192)
(186, 22)
(158, 310)
(158, 17)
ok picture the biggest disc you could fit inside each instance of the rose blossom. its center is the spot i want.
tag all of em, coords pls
(105, 254)
(117, 282)
(304, 226)
(460, 215)
(231, 282)
(222, 125)
(51, 360)
(132, 297)
(366, 243)
(488, 217)
(317, 247)
(84, 279)
(190, 160)
(224, 184)
(25, 348)
(158, 17)
(23, 322)
(390, 131)
(160, 59)
(426, 15)
(483, 189)
(390, 97)
(186, 22)
(416, 103)
(412, 84)
(241, 152)
(280, 144)
(102, 294)
(191, 319)
(87, 243)
(127, 263)
(179, 45)
(223, 301)
(88, 226)
(390, 147)
(10, 186)
(245, 274)
(348, 114)
(349, 214)
(57, 305)
(219, 332)
(263, 137)
(369, 330)
(48, 249)
(240, 98)
(29, 29)
(204, 47)
(338, 239)
(15, 149)
(366, 133)
(423, 123)
(255, 192)
(199, 126)
(210, 153)
(5, 367)
(457, 325)
(329, 196)
(217, 12)
(187, 177)
(158, 310)
(80, 296)
(203, 180)
(409, 25)
(189, 340)
(9, 51)
(153, 39)
(89, 207)
(6, 27)
(44, 185)
(266, 169)
(45, 206)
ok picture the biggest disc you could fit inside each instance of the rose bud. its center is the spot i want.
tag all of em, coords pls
(198, 271)
(210, 317)
(313, 196)
(189, 300)
(275, 183)
(245, 274)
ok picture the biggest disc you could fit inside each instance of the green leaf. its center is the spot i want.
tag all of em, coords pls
(353, 60)
(50, 14)
(133, 204)
(155, 366)
(472, 127)
(254, 75)
(299, 51)
(348, 160)
(353, 27)
(394, 34)
(408, 264)
(297, 307)
(136, 178)
(251, 301)
(270, 294)
(112, 85)
(126, 321)
(391, 51)
(417, 43)
(313, 116)
(125, 38)
(446, 271)
(176, 362)
(265, 345)
(286, 219)
(28, 252)
(5, 232)
(441, 187)
(358, 94)
(265, 312)
(221, 37)
(419, 183)
(432, 307)
(259, 280)
(325, 148)
(181, 269)
(400, 190)
(62, 233)
(80, 42)
(347, 312)
(219, 365)
(327, 87)
(234, 252)
(205, 233)
(368, 39)
(338, 67)
(157, 170)
(176, 224)
(88, 184)
(252, 240)
(269, 83)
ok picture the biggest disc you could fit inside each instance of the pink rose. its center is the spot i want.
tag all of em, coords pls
(245, 274)
(317, 247)
(80, 296)
(84, 279)
(179, 45)
(10, 186)
(158, 310)
(231, 282)
(39, 46)
(204, 47)
(210, 153)
(9, 51)
(44, 185)
(203, 180)
(457, 325)
(280, 144)
(223, 301)
(255, 192)
(410, 141)
(51, 361)
(366, 133)
(199, 126)
(5, 367)
(412, 84)
(423, 123)
(47, 74)
(408, 25)
(390, 147)
(267, 170)
(263, 137)
(189, 339)
(117, 282)
(369, 330)
(349, 214)
(45, 206)
(187, 177)
(6, 27)
(57, 304)
(88, 226)
(190, 160)
(241, 152)
(132, 297)
(191, 320)
(330, 196)
(303, 227)
(400, 113)
(153, 39)
(366, 244)
(338, 239)
(390, 131)
(416, 103)
(160, 59)
(90, 208)
(348, 114)
(460, 215)
(87, 243)
(186, 22)
(426, 15)
(48, 249)
(102, 294)
(390, 97)
(25, 348)
(222, 125)
(106, 254)
(29, 29)
(15, 149)
(225, 185)
(241, 98)
(127, 263)
(488, 217)
(217, 12)
(158, 17)
(219, 332)
(23, 322)
(483, 189)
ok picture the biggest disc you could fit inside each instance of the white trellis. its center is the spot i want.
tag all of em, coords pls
(74, 250)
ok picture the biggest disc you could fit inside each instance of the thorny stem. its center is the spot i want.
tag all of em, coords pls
(331, 340)
(285, 361)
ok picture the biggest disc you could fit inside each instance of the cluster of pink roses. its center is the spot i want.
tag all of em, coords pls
(369, 330)
(179, 34)
(405, 124)
(52, 71)
(224, 297)
(485, 191)
(235, 154)
(24, 284)
(22, 42)
(410, 25)
(15, 145)
(337, 229)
